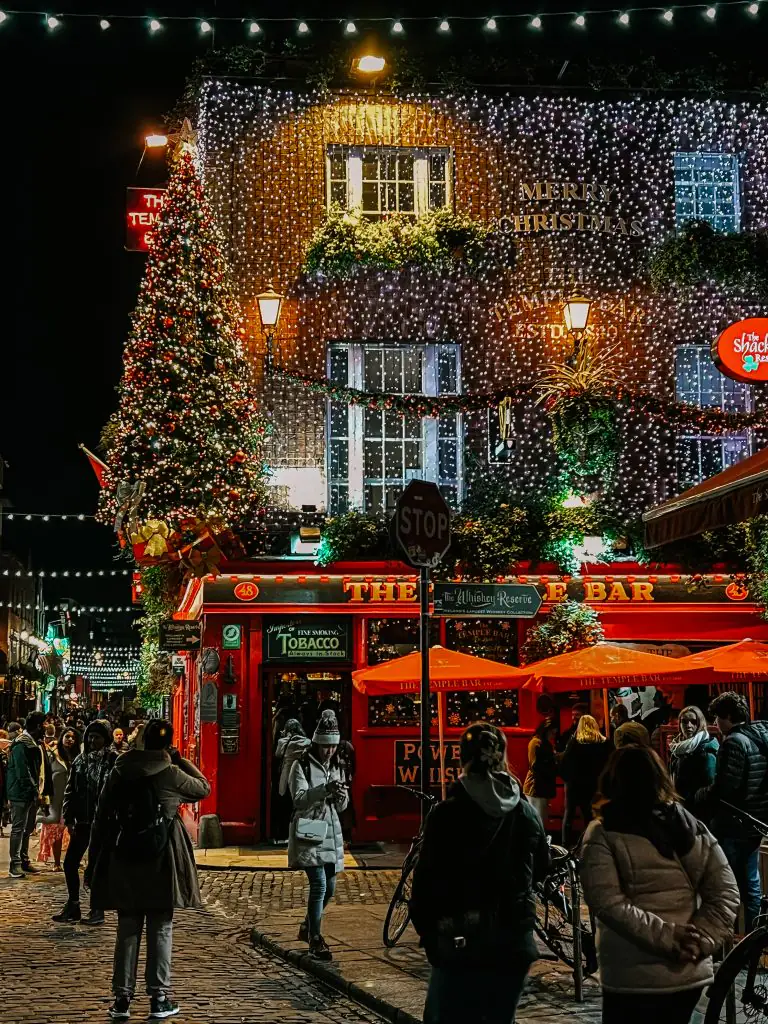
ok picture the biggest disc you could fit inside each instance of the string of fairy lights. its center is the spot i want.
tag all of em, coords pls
(623, 18)
(263, 147)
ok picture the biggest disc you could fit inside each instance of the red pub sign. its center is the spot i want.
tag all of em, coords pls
(142, 209)
(741, 351)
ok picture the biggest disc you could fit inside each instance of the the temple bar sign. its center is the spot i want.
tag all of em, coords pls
(142, 209)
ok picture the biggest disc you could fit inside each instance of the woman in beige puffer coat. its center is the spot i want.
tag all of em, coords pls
(661, 890)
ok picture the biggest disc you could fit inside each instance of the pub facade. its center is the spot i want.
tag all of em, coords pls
(377, 374)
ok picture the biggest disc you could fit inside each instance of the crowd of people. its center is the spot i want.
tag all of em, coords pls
(665, 863)
(111, 795)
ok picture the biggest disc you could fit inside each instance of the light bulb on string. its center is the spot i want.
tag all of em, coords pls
(302, 28)
(397, 27)
(3, 17)
(491, 25)
(104, 24)
(624, 18)
(254, 28)
(350, 28)
(154, 25)
(668, 15)
(444, 26)
(580, 21)
(205, 27)
(710, 13)
(52, 22)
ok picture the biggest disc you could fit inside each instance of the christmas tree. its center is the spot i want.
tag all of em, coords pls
(185, 445)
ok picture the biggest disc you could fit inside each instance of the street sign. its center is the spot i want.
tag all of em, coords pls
(487, 600)
(231, 637)
(423, 523)
(180, 634)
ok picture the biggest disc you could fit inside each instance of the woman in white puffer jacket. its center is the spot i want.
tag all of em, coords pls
(661, 890)
(318, 793)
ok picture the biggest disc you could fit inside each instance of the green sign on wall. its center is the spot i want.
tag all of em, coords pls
(231, 637)
(308, 639)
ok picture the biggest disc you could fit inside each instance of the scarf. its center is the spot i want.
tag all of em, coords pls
(682, 748)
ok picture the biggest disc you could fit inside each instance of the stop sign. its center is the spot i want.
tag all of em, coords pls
(423, 523)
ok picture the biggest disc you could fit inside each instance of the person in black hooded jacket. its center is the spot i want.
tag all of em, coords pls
(741, 779)
(89, 774)
(472, 902)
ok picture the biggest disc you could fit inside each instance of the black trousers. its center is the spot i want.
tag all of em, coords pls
(636, 1008)
(574, 802)
(78, 844)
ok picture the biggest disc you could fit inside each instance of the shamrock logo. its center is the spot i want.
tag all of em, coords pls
(750, 364)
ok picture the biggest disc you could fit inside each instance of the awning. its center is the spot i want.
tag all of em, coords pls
(738, 493)
(746, 660)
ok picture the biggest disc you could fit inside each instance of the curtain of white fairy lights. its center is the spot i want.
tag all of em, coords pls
(264, 149)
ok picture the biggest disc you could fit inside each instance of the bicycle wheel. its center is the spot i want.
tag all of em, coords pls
(398, 913)
(555, 912)
(739, 993)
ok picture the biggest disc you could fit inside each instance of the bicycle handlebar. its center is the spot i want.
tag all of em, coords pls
(759, 826)
(426, 797)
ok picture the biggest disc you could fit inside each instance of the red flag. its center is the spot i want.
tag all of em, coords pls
(98, 467)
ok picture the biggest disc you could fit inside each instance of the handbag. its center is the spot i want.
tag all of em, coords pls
(310, 830)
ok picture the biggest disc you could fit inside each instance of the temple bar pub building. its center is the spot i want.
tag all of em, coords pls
(579, 191)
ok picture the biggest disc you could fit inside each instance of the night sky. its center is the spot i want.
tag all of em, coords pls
(75, 107)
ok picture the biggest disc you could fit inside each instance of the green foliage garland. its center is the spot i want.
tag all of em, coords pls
(585, 434)
(159, 597)
(698, 254)
(486, 546)
(440, 240)
(570, 626)
(352, 535)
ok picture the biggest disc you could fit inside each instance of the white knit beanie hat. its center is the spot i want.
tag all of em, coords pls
(327, 731)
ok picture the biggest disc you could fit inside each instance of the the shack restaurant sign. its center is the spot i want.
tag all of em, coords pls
(741, 351)
(356, 591)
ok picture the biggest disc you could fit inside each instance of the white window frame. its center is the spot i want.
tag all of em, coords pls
(421, 155)
(700, 187)
(704, 351)
(356, 413)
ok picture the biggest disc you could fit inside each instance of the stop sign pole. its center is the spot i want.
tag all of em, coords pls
(423, 529)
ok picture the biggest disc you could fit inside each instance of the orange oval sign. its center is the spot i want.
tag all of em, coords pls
(741, 351)
(246, 591)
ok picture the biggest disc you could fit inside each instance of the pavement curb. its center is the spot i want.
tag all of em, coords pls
(331, 977)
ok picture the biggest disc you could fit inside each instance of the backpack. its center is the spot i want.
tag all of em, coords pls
(142, 828)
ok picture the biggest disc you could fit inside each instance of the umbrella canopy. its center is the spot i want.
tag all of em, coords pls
(746, 660)
(736, 494)
(609, 666)
(448, 670)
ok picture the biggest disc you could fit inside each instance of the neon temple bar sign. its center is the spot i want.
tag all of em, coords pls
(741, 351)
(142, 209)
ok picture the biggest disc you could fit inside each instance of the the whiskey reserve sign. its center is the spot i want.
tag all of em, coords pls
(570, 206)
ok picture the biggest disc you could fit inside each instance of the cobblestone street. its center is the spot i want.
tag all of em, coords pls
(56, 974)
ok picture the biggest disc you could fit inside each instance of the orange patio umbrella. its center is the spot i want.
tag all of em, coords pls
(608, 666)
(448, 671)
(745, 661)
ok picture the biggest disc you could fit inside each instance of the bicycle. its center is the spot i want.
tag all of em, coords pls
(739, 993)
(399, 913)
(559, 923)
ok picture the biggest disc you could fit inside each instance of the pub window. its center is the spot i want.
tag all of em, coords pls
(383, 180)
(374, 453)
(699, 382)
(707, 188)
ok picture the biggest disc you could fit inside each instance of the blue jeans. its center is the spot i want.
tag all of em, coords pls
(742, 855)
(322, 886)
(482, 996)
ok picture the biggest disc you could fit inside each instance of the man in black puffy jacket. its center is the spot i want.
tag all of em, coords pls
(741, 779)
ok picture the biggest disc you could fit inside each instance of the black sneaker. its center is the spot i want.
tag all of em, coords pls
(71, 912)
(14, 871)
(318, 948)
(162, 1007)
(121, 1008)
(304, 931)
(27, 868)
(94, 917)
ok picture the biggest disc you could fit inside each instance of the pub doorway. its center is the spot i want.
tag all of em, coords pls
(302, 695)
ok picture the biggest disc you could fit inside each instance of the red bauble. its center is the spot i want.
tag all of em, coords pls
(238, 457)
(168, 321)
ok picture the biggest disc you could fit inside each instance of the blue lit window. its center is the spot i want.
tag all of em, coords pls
(699, 382)
(707, 188)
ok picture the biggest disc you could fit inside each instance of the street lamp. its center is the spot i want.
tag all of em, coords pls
(576, 314)
(270, 305)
